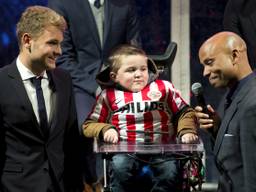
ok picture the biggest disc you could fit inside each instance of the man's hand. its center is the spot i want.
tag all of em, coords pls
(204, 119)
(111, 136)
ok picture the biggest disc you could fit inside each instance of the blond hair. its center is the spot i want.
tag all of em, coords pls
(35, 19)
(119, 53)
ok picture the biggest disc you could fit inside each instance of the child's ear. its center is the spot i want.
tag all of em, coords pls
(112, 76)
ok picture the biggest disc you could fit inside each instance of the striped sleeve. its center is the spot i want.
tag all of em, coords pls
(174, 99)
(100, 111)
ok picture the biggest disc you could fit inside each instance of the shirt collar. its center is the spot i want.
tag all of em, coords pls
(26, 73)
(235, 89)
(92, 2)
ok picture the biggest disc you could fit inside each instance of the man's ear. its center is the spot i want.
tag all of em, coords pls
(26, 41)
(112, 76)
(235, 55)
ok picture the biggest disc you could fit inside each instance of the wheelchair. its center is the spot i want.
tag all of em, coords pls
(189, 156)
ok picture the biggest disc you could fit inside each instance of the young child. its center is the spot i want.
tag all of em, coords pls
(134, 101)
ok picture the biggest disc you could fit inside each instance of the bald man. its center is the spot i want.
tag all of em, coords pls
(225, 62)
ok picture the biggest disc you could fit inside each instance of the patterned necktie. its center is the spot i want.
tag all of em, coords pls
(41, 105)
(97, 4)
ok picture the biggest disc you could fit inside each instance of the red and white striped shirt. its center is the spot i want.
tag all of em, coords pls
(151, 109)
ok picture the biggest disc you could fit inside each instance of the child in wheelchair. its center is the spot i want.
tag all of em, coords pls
(134, 102)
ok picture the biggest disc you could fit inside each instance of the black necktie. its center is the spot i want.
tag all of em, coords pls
(41, 105)
(97, 4)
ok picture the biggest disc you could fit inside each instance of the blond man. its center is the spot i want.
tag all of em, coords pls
(39, 149)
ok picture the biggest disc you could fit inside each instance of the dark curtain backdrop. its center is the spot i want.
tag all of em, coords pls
(10, 12)
(154, 14)
(206, 19)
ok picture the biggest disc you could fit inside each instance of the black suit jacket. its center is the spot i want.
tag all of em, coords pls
(236, 142)
(83, 55)
(240, 17)
(27, 159)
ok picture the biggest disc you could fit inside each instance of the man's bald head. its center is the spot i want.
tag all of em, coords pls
(224, 58)
(223, 41)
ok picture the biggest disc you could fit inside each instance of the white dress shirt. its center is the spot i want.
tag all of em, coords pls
(26, 75)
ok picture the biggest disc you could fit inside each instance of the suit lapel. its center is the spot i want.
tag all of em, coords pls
(253, 20)
(52, 118)
(224, 125)
(90, 22)
(248, 13)
(230, 113)
(21, 92)
(59, 99)
(108, 10)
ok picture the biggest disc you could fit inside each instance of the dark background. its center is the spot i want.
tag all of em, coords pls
(154, 14)
(206, 19)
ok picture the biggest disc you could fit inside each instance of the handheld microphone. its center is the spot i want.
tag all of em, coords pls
(197, 90)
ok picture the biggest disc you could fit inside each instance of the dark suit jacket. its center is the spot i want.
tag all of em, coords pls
(82, 52)
(240, 17)
(27, 159)
(236, 142)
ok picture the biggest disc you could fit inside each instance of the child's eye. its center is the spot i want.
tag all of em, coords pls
(131, 69)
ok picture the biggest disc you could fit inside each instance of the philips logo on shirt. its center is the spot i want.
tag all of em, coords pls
(140, 107)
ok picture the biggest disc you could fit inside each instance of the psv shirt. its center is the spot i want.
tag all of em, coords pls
(152, 109)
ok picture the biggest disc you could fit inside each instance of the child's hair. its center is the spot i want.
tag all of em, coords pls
(119, 53)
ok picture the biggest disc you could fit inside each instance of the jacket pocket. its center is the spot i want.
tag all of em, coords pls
(12, 167)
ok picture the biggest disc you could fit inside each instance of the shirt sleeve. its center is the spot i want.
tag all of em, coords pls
(97, 122)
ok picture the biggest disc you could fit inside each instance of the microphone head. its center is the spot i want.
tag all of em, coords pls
(197, 89)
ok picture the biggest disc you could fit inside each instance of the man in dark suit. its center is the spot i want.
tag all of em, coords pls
(240, 17)
(94, 29)
(88, 43)
(39, 149)
(224, 57)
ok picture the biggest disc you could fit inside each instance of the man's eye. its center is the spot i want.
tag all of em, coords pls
(52, 43)
(209, 62)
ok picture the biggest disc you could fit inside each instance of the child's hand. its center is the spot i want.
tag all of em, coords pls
(111, 136)
(189, 138)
